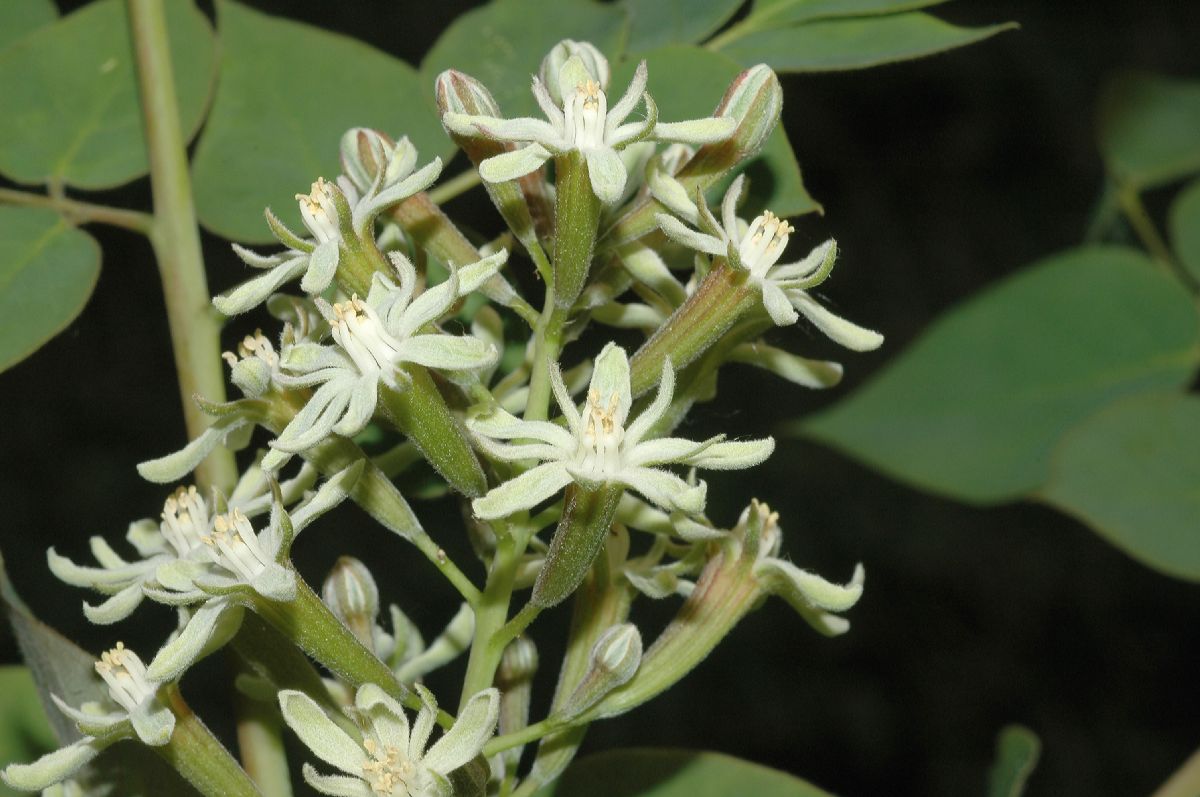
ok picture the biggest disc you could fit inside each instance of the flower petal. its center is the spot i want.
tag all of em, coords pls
(116, 608)
(322, 265)
(606, 171)
(152, 722)
(513, 165)
(320, 734)
(809, 594)
(709, 130)
(503, 425)
(733, 455)
(565, 403)
(210, 626)
(524, 492)
(520, 130)
(386, 715)
(777, 304)
(336, 785)
(449, 352)
(838, 329)
(175, 466)
(665, 489)
(253, 292)
(629, 100)
(679, 232)
(652, 414)
(52, 767)
(361, 408)
(465, 740)
(610, 377)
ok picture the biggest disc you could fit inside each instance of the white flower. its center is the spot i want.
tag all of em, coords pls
(233, 565)
(332, 212)
(756, 249)
(597, 446)
(579, 118)
(373, 338)
(139, 714)
(392, 759)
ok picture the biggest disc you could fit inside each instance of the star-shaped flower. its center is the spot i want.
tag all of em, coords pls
(597, 447)
(578, 117)
(335, 213)
(756, 249)
(392, 759)
(372, 339)
(139, 714)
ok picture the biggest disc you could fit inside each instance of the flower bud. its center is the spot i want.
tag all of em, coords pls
(593, 60)
(458, 92)
(614, 660)
(518, 665)
(351, 594)
(755, 100)
(364, 153)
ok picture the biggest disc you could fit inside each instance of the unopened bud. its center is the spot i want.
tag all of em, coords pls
(518, 665)
(458, 92)
(614, 660)
(351, 594)
(755, 100)
(593, 60)
(364, 153)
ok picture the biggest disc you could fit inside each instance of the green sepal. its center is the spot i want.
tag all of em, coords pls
(586, 521)
(576, 218)
(421, 413)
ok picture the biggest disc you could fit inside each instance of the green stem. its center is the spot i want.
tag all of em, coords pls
(1143, 225)
(491, 611)
(199, 757)
(78, 212)
(260, 738)
(547, 344)
(459, 184)
(176, 239)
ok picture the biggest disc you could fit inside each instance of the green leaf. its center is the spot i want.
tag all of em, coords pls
(793, 12)
(25, 734)
(973, 409)
(47, 272)
(287, 93)
(1132, 473)
(19, 17)
(654, 23)
(674, 773)
(854, 42)
(1185, 228)
(687, 82)
(1150, 129)
(502, 44)
(1017, 751)
(70, 95)
(61, 667)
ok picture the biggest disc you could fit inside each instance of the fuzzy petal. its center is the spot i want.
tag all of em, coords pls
(652, 414)
(52, 767)
(665, 489)
(320, 734)
(679, 232)
(208, 627)
(524, 492)
(778, 306)
(610, 377)
(322, 265)
(733, 455)
(503, 425)
(809, 594)
(174, 467)
(464, 741)
(838, 329)
(152, 722)
(513, 165)
(116, 608)
(387, 716)
(696, 132)
(607, 174)
(361, 408)
(336, 785)
(253, 292)
(629, 100)
(448, 352)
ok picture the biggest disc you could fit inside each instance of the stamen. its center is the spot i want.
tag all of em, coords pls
(184, 520)
(125, 675)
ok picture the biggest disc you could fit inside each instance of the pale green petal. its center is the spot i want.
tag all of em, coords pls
(729, 205)
(629, 316)
(696, 131)
(316, 420)
(809, 594)
(106, 580)
(513, 165)
(516, 452)
(665, 489)
(566, 404)
(838, 329)
(448, 352)
(629, 100)
(276, 583)
(320, 734)
(811, 270)
(425, 723)
(733, 455)
(464, 741)
(210, 626)
(503, 425)
(322, 265)
(386, 716)
(361, 408)
(253, 292)
(152, 722)
(473, 275)
(331, 493)
(520, 130)
(524, 492)
(116, 608)
(52, 767)
(652, 414)
(607, 174)
(645, 265)
(174, 467)
(778, 306)
(368, 209)
(679, 232)
(664, 450)
(795, 369)
(336, 785)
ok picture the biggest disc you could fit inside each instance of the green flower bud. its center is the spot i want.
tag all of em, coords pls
(754, 99)
(593, 61)
(614, 660)
(351, 594)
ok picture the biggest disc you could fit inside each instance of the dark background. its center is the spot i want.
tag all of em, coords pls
(938, 177)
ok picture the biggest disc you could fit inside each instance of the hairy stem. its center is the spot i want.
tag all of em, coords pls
(199, 757)
(176, 238)
(260, 739)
